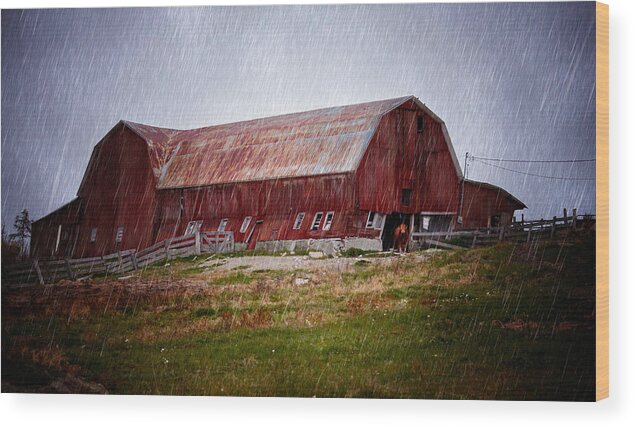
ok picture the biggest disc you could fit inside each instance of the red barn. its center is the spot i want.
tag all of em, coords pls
(343, 176)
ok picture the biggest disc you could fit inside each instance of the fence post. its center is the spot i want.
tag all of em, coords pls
(133, 257)
(71, 275)
(197, 244)
(522, 219)
(552, 230)
(565, 216)
(528, 236)
(501, 233)
(167, 249)
(574, 219)
(120, 261)
(475, 238)
(36, 265)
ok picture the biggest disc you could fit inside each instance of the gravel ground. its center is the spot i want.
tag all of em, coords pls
(291, 262)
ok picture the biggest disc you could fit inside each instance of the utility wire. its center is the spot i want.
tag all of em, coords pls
(532, 161)
(562, 178)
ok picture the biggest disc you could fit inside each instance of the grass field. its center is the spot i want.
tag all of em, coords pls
(504, 322)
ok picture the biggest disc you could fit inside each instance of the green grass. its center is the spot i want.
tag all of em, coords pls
(442, 328)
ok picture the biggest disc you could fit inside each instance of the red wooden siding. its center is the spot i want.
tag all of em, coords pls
(118, 190)
(481, 202)
(44, 232)
(275, 202)
(399, 157)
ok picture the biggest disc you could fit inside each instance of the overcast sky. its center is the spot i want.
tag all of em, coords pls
(513, 81)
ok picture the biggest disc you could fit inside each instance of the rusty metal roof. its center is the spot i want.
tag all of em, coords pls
(319, 142)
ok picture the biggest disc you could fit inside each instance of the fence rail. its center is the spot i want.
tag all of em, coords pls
(518, 231)
(51, 270)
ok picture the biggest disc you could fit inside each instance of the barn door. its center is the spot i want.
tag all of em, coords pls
(254, 235)
(391, 222)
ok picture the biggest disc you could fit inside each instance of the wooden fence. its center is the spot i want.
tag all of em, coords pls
(51, 270)
(517, 231)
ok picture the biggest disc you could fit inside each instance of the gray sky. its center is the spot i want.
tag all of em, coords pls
(510, 80)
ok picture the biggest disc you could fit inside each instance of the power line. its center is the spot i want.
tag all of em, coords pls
(562, 178)
(533, 161)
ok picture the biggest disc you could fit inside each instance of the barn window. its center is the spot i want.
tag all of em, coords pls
(93, 234)
(420, 124)
(119, 236)
(317, 221)
(193, 227)
(432, 222)
(298, 221)
(245, 224)
(223, 224)
(406, 196)
(370, 222)
(328, 221)
(375, 220)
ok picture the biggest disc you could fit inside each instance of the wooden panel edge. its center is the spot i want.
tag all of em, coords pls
(602, 200)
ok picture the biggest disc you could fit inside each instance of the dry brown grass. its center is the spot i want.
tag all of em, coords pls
(268, 299)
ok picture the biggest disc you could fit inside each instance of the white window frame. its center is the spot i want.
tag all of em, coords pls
(425, 220)
(299, 219)
(193, 227)
(93, 234)
(369, 223)
(379, 221)
(118, 238)
(223, 224)
(375, 220)
(245, 224)
(330, 216)
(317, 221)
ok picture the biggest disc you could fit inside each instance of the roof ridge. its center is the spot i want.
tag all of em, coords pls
(131, 123)
(400, 99)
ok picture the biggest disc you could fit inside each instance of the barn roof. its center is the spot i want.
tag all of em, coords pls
(159, 142)
(500, 190)
(319, 142)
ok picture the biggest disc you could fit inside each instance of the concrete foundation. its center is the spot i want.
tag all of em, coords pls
(239, 247)
(327, 246)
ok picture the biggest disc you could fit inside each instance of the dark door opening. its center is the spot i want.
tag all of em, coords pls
(391, 222)
(254, 235)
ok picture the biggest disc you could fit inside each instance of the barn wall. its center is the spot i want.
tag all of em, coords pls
(45, 230)
(275, 202)
(481, 202)
(399, 157)
(118, 190)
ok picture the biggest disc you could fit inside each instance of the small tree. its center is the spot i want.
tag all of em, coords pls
(22, 231)
(10, 249)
